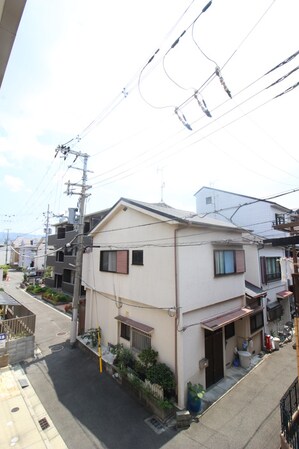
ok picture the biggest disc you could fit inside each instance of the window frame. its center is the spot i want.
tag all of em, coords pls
(125, 331)
(229, 330)
(138, 340)
(116, 268)
(267, 273)
(136, 259)
(234, 266)
(254, 326)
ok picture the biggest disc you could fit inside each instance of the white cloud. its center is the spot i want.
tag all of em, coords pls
(13, 183)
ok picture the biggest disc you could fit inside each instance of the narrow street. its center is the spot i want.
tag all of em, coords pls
(91, 411)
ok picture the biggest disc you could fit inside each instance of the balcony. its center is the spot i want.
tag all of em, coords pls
(289, 415)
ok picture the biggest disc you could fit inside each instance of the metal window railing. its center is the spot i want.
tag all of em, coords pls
(289, 421)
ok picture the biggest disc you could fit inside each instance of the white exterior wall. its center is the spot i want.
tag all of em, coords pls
(257, 217)
(252, 264)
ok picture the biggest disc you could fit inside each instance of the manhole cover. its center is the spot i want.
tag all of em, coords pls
(155, 424)
(44, 423)
(57, 348)
(15, 409)
(61, 333)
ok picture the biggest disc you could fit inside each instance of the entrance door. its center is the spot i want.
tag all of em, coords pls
(214, 353)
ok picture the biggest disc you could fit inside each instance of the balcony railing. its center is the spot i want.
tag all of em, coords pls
(288, 414)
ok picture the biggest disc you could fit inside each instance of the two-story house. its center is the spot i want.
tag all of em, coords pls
(259, 216)
(169, 279)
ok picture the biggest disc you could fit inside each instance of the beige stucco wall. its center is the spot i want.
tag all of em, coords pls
(197, 284)
(102, 310)
(153, 283)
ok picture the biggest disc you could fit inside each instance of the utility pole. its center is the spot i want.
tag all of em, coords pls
(46, 237)
(6, 246)
(79, 256)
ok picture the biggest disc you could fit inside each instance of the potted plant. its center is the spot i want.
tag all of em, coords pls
(195, 394)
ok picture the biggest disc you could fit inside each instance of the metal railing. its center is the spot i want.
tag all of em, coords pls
(289, 421)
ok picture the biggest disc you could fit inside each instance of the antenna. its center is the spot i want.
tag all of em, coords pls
(162, 183)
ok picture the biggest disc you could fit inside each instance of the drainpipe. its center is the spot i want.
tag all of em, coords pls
(176, 321)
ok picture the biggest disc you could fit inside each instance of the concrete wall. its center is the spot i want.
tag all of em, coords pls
(19, 349)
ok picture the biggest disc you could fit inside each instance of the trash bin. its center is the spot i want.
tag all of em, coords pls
(276, 343)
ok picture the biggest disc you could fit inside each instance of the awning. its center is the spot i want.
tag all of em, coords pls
(7, 300)
(139, 326)
(284, 294)
(227, 318)
(253, 291)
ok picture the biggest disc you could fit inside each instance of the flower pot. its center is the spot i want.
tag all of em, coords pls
(3, 360)
(193, 403)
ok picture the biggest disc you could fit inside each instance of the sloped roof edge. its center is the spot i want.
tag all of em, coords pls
(244, 196)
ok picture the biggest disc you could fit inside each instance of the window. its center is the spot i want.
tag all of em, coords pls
(229, 262)
(60, 233)
(138, 334)
(140, 340)
(114, 261)
(59, 256)
(229, 331)
(137, 257)
(256, 321)
(208, 200)
(270, 269)
(274, 311)
(69, 276)
(279, 219)
(70, 250)
(125, 331)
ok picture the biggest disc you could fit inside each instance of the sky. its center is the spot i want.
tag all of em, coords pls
(126, 84)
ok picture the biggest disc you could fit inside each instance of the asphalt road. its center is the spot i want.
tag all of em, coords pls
(91, 411)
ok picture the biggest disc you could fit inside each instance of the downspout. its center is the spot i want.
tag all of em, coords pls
(176, 321)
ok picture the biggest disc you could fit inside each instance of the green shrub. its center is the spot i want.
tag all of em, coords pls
(162, 375)
(148, 357)
(124, 357)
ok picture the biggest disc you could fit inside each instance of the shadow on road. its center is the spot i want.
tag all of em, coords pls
(87, 405)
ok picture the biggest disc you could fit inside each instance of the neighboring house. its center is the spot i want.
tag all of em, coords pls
(62, 257)
(171, 280)
(259, 217)
(23, 252)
